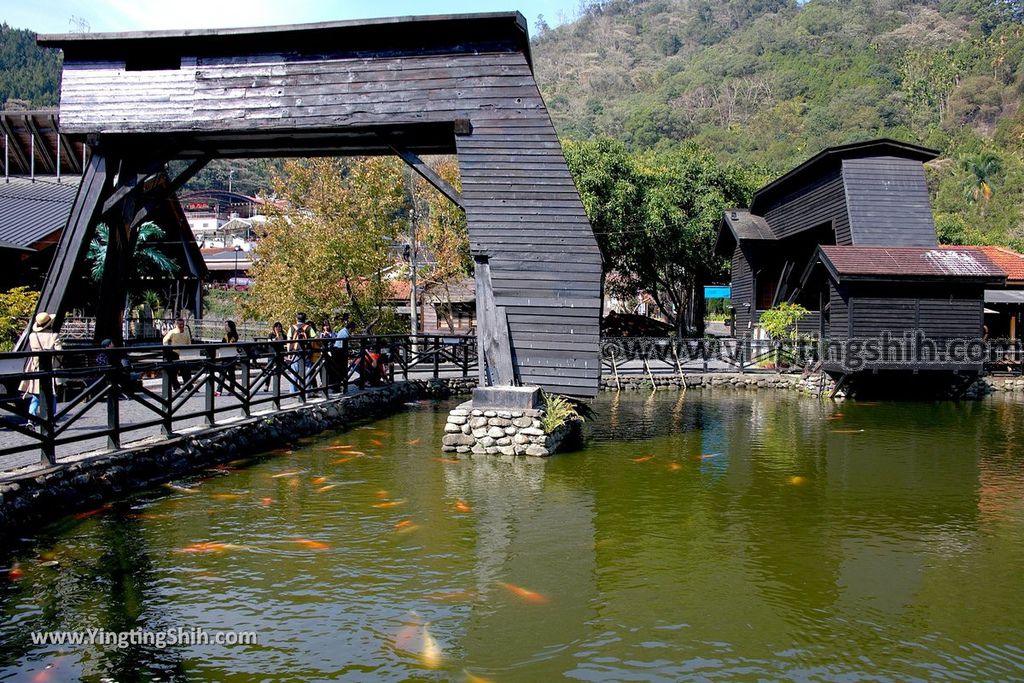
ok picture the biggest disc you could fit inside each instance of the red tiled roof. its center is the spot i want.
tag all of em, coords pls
(1009, 261)
(910, 262)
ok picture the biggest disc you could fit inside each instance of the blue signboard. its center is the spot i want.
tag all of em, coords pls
(717, 292)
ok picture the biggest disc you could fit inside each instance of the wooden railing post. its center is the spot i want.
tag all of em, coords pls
(465, 358)
(209, 410)
(275, 376)
(246, 379)
(46, 417)
(322, 373)
(437, 357)
(407, 351)
(301, 363)
(113, 405)
(168, 400)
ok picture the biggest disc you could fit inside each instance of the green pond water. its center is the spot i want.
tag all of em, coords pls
(724, 536)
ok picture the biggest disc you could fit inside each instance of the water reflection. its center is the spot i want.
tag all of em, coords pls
(715, 535)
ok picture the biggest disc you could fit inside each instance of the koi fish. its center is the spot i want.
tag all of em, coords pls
(707, 456)
(413, 442)
(448, 461)
(381, 494)
(674, 466)
(797, 481)
(147, 515)
(322, 489)
(312, 545)
(266, 502)
(346, 447)
(416, 639)
(208, 547)
(226, 496)
(523, 593)
(847, 431)
(462, 506)
(389, 504)
(452, 596)
(376, 442)
(643, 459)
(15, 573)
(318, 480)
(45, 674)
(281, 475)
(90, 513)
(379, 432)
(405, 524)
(180, 489)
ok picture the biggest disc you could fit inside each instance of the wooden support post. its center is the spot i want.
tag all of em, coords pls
(654, 386)
(167, 393)
(495, 344)
(113, 405)
(277, 369)
(615, 371)
(210, 405)
(246, 381)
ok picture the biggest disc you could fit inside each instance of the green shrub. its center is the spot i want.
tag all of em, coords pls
(558, 411)
(781, 321)
(16, 308)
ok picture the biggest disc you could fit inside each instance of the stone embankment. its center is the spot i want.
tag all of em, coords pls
(815, 384)
(88, 481)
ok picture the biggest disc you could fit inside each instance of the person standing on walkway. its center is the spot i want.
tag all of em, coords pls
(298, 335)
(227, 378)
(41, 338)
(179, 335)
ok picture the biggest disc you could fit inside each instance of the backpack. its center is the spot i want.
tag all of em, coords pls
(301, 331)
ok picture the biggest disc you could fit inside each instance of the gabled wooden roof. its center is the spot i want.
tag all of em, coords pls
(828, 158)
(908, 263)
(739, 225)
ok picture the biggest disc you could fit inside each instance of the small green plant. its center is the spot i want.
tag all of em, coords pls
(558, 411)
(782, 321)
(16, 308)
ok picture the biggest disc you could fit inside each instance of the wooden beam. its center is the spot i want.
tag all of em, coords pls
(13, 144)
(142, 180)
(428, 174)
(495, 343)
(75, 238)
(49, 161)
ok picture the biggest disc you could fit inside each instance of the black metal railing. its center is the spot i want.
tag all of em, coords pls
(94, 398)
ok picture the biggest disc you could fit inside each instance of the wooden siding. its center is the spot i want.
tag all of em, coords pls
(742, 290)
(812, 205)
(839, 312)
(521, 203)
(888, 202)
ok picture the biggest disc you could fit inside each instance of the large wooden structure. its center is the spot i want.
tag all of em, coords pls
(849, 235)
(413, 86)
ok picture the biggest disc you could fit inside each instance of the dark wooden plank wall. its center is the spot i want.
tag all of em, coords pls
(742, 290)
(812, 205)
(521, 204)
(839, 311)
(936, 316)
(888, 202)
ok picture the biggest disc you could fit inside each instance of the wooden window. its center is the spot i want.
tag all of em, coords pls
(764, 290)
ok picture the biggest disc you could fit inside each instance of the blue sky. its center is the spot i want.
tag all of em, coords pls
(63, 16)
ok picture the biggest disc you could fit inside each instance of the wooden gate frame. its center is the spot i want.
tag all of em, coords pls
(457, 84)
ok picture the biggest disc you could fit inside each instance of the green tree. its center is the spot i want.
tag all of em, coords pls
(656, 214)
(16, 308)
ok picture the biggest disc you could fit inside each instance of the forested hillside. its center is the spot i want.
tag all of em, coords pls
(770, 82)
(29, 75)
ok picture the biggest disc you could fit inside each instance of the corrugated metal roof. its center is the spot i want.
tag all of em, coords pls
(32, 211)
(910, 262)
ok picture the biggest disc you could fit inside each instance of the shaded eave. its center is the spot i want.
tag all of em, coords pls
(730, 233)
(398, 35)
(827, 158)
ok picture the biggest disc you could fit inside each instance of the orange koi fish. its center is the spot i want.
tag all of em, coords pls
(381, 494)
(376, 442)
(208, 547)
(413, 442)
(90, 513)
(405, 523)
(312, 545)
(389, 504)
(318, 480)
(322, 489)
(46, 673)
(266, 502)
(462, 506)
(797, 481)
(525, 594)
(281, 475)
(15, 573)
(346, 447)
(674, 466)
(643, 459)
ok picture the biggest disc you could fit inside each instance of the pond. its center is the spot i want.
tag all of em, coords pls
(710, 536)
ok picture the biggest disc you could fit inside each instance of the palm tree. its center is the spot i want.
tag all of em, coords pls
(981, 170)
(147, 259)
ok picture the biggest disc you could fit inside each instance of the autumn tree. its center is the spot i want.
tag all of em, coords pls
(330, 251)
